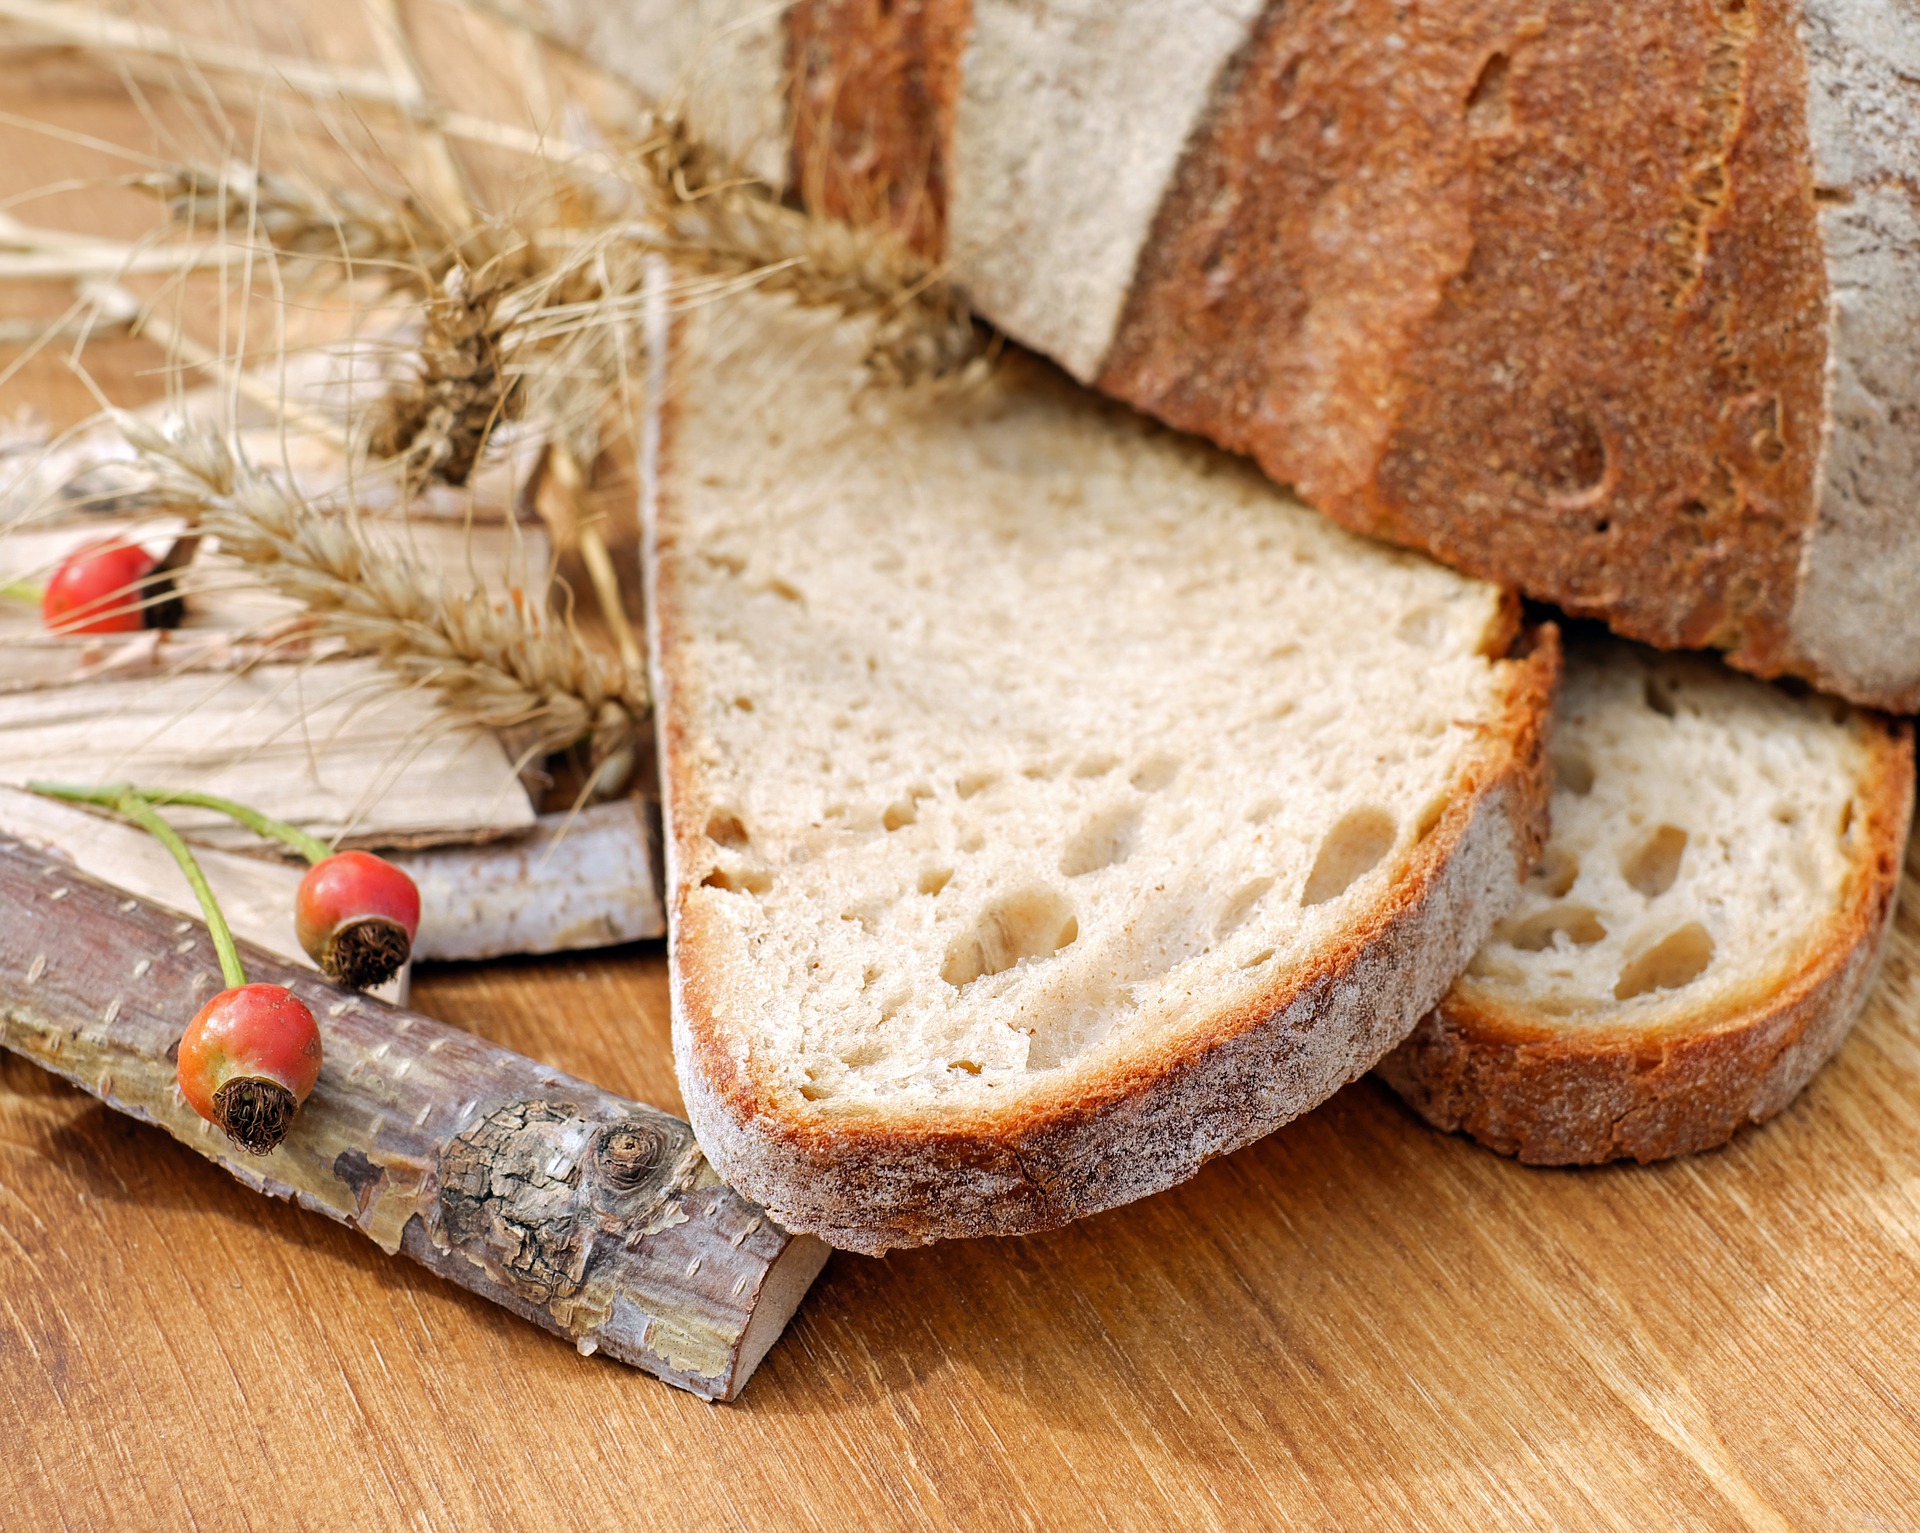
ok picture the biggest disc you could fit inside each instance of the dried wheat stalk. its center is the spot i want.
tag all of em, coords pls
(503, 664)
(391, 239)
(707, 213)
(437, 420)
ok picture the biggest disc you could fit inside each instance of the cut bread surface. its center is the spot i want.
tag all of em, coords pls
(1053, 803)
(1702, 926)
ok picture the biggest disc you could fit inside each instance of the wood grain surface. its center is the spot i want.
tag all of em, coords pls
(1356, 1323)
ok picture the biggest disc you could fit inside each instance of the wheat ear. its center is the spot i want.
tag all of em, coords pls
(706, 212)
(503, 664)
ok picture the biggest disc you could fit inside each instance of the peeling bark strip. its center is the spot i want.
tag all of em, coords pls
(594, 1217)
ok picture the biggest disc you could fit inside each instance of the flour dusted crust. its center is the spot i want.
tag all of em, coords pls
(1610, 304)
(1674, 1071)
(1080, 1137)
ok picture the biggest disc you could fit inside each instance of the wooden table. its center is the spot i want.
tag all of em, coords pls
(1357, 1323)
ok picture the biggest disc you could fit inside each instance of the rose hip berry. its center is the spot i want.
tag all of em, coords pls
(248, 1059)
(98, 589)
(251, 1055)
(357, 916)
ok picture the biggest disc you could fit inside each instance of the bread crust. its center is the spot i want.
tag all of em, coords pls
(1555, 1096)
(1346, 281)
(1596, 302)
(875, 83)
(1146, 1122)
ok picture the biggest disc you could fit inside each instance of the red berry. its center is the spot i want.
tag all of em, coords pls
(98, 589)
(356, 915)
(248, 1060)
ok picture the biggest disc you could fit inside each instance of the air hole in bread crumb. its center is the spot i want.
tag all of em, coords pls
(1263, 811)
(1786, 814)
(1677, 959)
(965, 1066)
(1653, 865)
(1265, 955)
(1233, 915)
(933, 880)
(744, 704)
(784, 591)
(1035, 922)
(900, 814)
(739, 880)
(813, 1093)
(1559, 870)
(974, 782)
(1659, 695)
(1103, 841)
(1573, 771)
(1351, 850)
(1422, 627)
(1096, 766)
(724, 828)
(1536, 933)
(1430, 818)
(1846, 818)
(1155, 773)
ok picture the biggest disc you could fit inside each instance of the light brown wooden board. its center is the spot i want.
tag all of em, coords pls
(1355, 1323)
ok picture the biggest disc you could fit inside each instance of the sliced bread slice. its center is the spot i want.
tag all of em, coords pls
(1052, 803)
(1701, 931)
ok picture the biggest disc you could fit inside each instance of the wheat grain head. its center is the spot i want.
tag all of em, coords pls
(499, 661)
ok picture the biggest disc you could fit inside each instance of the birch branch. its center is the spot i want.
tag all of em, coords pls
(589, 1215)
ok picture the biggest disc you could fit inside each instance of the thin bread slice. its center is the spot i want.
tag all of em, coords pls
(1052, 803)
(1701, 931)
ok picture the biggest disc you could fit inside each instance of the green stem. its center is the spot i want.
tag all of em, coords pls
(23, 590)
(124, 801)
(310, 847)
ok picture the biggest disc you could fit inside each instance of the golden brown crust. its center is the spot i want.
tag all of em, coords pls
(1556, 1096)
(1542, 293)
(875, 83)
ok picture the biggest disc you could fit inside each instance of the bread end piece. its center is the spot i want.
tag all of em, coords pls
(1549, 1096)
(1155, 1122)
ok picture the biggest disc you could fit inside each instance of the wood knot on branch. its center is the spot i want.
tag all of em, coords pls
(528, 1189)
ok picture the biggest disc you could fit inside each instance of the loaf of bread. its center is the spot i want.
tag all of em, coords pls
(1052, 804)
(1701, 931)
(1611, 304)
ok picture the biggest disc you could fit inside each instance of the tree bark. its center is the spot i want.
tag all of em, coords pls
(592, 1216)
